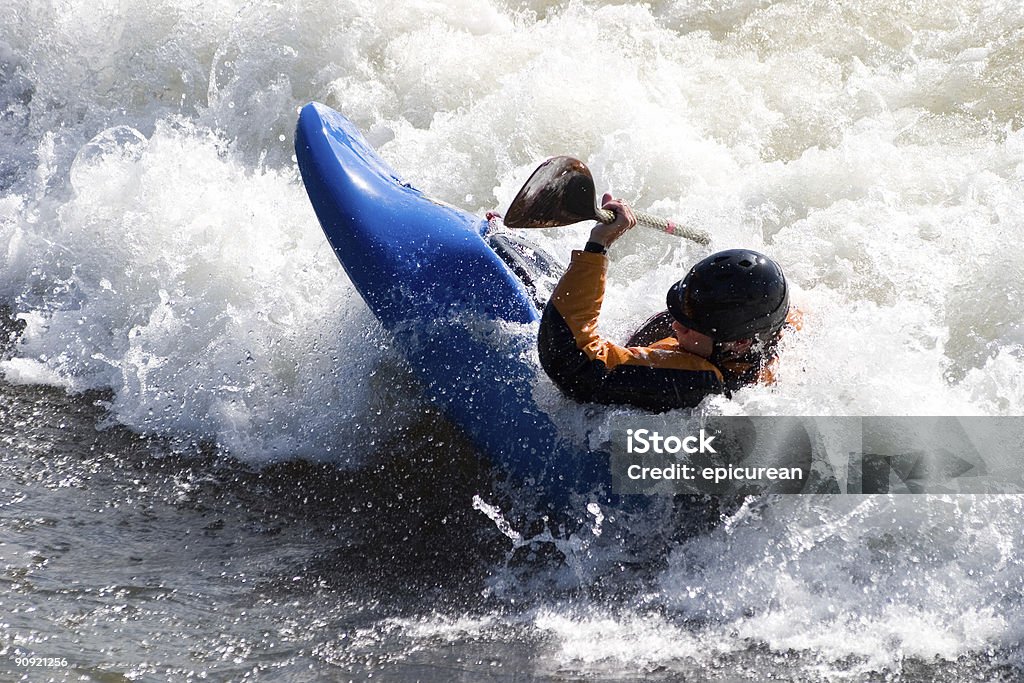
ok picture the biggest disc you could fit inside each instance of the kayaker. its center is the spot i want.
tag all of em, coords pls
(726, 318)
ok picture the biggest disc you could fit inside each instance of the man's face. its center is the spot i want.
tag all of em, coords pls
(692, 340)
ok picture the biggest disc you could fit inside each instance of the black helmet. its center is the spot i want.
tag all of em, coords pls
(734, 294)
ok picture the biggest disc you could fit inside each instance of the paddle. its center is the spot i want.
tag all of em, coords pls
(561, 192)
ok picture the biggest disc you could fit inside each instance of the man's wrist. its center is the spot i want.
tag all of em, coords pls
(595, 247)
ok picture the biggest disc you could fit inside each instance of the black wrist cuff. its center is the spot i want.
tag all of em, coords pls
(596, 248)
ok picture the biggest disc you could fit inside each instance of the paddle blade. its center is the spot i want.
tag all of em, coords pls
(560, 192)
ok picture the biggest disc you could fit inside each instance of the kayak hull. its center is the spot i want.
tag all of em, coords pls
(427, 273)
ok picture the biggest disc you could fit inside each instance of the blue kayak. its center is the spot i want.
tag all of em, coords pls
(430, 274)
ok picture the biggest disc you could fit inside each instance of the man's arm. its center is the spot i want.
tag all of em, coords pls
(590, 368)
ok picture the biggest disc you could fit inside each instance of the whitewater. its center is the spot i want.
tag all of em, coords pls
(172, 315)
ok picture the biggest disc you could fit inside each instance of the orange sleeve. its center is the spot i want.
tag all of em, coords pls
(578, 298)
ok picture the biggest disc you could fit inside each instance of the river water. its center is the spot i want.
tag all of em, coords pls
(213, 466)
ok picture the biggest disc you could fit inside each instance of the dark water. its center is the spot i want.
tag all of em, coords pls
(131, 563)
(135, 563)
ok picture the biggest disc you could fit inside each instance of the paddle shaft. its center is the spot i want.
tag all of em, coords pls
(659, 224)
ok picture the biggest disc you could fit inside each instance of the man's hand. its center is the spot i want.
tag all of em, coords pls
(606, 233)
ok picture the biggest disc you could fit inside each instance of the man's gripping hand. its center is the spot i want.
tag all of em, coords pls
(606, 233)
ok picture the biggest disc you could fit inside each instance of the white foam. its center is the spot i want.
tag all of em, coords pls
(30, 371)
(193, 287)
(876, 578)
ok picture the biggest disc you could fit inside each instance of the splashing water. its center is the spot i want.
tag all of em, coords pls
(159, 247)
